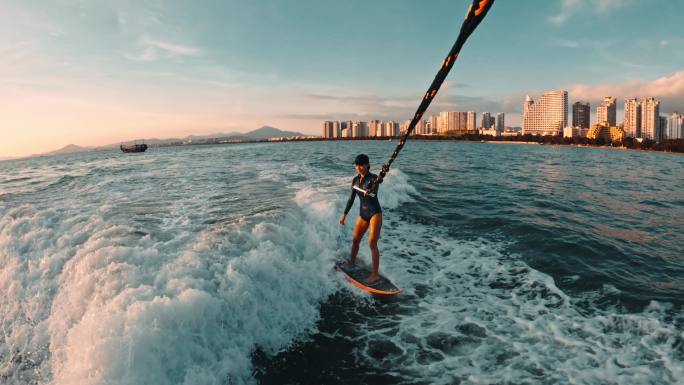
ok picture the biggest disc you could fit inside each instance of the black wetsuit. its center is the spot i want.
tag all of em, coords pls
(369, 205)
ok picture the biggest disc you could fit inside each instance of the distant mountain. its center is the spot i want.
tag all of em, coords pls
(68, 149)
(266, 132)
(149, 142)
(212, 136)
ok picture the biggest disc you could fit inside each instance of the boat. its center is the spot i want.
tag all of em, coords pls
(133, 147)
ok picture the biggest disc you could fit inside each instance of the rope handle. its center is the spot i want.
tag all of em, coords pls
(476, 13)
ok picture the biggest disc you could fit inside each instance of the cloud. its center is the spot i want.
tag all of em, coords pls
(558, 19)
(569, 43)
(345, 106)
(451, 85)
(571, 7)
(152, 49)
(174, 49)
(668, 89)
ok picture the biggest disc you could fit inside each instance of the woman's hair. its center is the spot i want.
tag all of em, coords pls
(362, 159)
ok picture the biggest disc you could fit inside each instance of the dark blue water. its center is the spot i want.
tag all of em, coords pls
(212, 264)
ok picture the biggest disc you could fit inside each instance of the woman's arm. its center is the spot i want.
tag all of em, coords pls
(350, 201)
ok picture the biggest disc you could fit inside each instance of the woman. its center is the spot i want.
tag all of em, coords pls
(370, 214)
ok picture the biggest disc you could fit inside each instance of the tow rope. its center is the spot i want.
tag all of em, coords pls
(476, 13)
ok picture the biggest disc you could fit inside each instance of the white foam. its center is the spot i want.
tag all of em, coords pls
(475, 315)
(92, 296)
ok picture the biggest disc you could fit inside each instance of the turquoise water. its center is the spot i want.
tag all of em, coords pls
(212, 265)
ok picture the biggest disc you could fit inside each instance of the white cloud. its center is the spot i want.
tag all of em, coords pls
(569, 43)
(572, 7)
(668, 89)
(150, 49)
(171, 48)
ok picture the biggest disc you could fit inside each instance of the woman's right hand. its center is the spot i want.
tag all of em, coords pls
(342, 218)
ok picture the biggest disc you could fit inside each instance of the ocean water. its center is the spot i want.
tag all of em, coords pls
(520, 264)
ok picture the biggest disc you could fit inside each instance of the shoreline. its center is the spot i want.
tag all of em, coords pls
(389, 139)
(622, 148)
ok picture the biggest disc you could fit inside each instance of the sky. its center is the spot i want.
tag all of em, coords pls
(93, 73)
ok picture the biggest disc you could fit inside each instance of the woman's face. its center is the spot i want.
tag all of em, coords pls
(361, 169)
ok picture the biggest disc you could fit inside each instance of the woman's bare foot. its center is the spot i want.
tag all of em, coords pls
(372, 278)
(350, 263)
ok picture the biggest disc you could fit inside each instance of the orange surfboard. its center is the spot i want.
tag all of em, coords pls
(356, 275)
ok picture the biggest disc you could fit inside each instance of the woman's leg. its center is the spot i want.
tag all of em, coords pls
(375, 226)
(359, 230)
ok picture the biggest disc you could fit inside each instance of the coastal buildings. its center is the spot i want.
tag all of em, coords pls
(487, 120)
(375, 128)
(662, 128)
(434, 124)
(632, 122)
(547, 116)
(609, 134)
(421, 128)
(606, 111)
(675, 126)
(336, 129)
(580, 114)
(391, 128)
(456, 122)
(471, 123)
(650, 119)
(345, 129)
(328, 131)
(359, 129)
(500, 122)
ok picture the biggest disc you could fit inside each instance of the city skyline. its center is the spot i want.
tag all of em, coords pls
(97, 73)
(547, 116)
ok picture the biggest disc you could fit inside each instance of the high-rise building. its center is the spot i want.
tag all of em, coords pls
(328, 130)
(454, 122)
(548, 116)
(650, 119)
(500, 123)
(446, 120)
(632, 123)
(606, 111)
(471, 121)
(675, 126)
(461, 122)
(374, 128)
(346, 129)
(421, 128)
(403, 128)
(383, 131)
(580, 114)
(359, 129)
(434, 124)
(391, 128)
(486, 120)
(336, 129)
(662, 128)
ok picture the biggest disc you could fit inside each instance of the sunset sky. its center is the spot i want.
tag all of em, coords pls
(99, 72)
